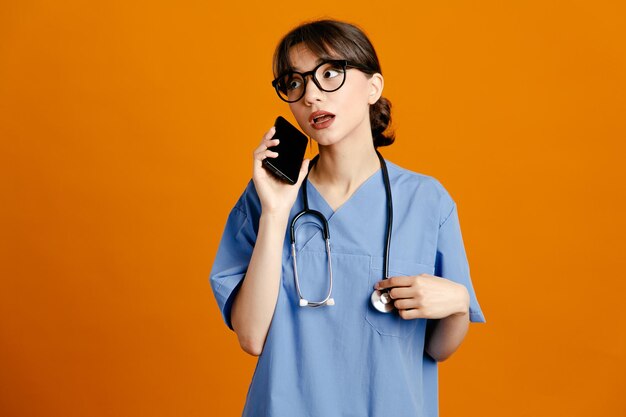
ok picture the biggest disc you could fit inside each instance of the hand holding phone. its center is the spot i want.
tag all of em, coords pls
(290, 149)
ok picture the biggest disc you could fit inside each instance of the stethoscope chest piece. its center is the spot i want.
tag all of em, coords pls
(382, 301)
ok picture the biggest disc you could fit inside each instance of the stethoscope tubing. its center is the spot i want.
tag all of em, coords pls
(383, 167)
(380, 299)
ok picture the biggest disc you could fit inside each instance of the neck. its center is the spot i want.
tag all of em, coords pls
(344, 168)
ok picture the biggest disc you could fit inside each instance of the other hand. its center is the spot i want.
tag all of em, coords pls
(426, 296)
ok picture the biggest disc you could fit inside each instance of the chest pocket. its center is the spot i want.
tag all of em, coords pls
(391, 324)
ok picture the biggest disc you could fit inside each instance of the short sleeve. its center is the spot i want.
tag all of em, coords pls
(451, 261)
(232, 259)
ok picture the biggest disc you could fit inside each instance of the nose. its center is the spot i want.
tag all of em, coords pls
(312, 93)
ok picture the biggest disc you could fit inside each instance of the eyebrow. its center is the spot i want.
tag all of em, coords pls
(319, 61)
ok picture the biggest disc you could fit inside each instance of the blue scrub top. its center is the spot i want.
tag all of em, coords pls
(348, 359)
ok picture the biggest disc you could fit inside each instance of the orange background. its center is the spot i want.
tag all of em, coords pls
(126, 136)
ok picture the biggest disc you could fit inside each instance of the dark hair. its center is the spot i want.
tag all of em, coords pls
(330, 39)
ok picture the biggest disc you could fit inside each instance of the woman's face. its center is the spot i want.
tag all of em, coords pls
(341, 115)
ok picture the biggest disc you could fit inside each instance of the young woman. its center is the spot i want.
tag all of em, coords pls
(401, 297)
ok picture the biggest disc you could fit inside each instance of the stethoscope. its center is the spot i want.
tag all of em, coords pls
(381, 300)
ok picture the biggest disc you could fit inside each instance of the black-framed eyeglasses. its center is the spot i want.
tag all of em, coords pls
(329, 76)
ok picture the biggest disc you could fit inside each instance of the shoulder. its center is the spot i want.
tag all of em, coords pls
(422, 187)
(244, 215)
(249, 203)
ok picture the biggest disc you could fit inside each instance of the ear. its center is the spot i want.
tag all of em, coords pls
(376, 84)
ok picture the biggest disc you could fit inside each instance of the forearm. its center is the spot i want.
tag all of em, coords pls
(254, 304)
(449, 332)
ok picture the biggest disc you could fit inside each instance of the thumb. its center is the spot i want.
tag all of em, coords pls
(304, 169)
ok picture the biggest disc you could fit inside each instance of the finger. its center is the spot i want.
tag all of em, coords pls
(401, 292)
(304, 169)
(271, 142)
(402, 281)
(261, 152)
(411, 314)
(406, 303)
(261, 155)
(269, 134)
(266, 144)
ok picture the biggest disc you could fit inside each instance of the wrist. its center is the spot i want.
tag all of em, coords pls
(274, 216)
(463, 301)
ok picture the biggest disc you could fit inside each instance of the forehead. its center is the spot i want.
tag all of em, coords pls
(301, 58)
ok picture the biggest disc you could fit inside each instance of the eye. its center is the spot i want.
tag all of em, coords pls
(331, 72)
(292, 82)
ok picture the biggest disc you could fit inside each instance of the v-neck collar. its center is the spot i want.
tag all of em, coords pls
(319, 203)
(327, 210)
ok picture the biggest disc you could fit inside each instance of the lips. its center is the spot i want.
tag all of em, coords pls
(320, 119)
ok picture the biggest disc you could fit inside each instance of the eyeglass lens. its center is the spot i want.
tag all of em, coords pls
(329, 76)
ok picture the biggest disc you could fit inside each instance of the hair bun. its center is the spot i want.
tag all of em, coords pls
(380, 119)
